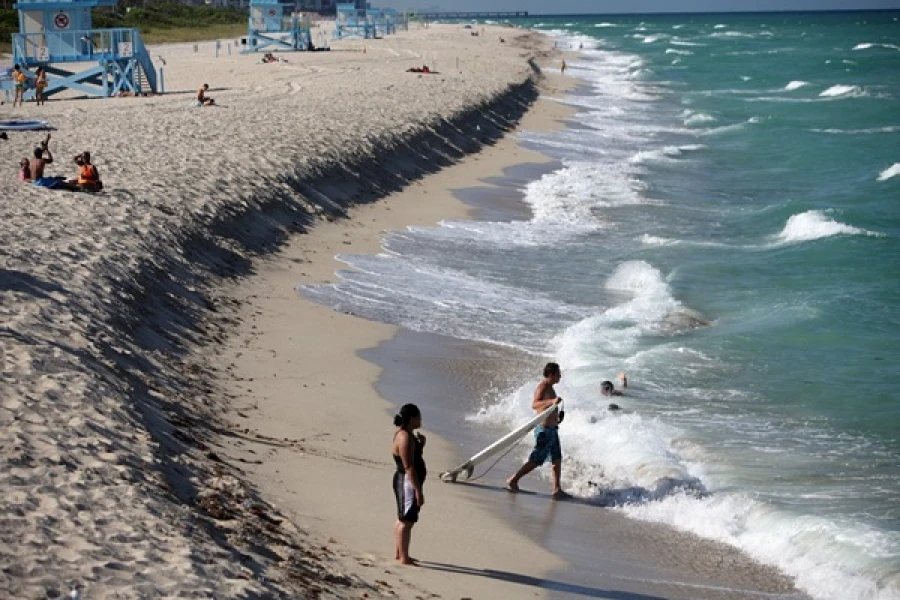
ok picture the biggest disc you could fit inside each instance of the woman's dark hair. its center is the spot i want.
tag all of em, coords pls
(607, 385)
(551, 369)
(407, 413)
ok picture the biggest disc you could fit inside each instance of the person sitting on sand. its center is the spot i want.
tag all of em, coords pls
(202, 98)
(422, 69)
(42, 158)
(24, 169)
(88, 176)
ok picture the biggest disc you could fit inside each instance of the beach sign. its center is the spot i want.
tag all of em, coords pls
(125, 49)
(42, 54)
(62, 20)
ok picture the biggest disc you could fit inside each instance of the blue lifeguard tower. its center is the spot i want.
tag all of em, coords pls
(378, 20)
(352, 22)
(277, 24)
(57, 35)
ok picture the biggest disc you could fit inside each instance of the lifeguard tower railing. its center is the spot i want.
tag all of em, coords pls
(395, 20)
(352, 22)
(378, 20)
(279, 30)
(123, 63)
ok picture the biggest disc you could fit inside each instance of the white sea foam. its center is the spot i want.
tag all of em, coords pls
(566, 198)
(865, 131)
(692, 118)
(653, 240)
(867, 45)
(892, 171)
(682, 52)
(842, 90)
(831, 560)
(795, 85)
(814, 225)
(685, 43)
(606, 25)
(732, 127)
(731, 34)
(664, 154)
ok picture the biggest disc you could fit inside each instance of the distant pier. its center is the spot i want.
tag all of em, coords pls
(452, 16)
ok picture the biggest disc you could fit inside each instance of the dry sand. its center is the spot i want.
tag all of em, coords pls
(167, 433)
(107, 412)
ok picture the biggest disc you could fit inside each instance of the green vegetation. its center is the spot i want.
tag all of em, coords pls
(170, 15)
(9, 24)
(160, 22)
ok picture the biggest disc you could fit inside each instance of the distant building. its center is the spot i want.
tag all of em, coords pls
(219, 3)
(319, 6)
(327, 6)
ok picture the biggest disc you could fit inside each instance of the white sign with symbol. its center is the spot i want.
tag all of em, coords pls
(42, 54)
(125, 49)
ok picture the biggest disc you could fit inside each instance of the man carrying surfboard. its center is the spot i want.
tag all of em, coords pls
(546, 434)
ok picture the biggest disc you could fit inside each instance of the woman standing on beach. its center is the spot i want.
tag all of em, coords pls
(408, 478)
(40, 84)
(20, 79)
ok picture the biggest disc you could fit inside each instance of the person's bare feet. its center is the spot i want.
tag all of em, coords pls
(512, 486)
(410, 561)
(561, 495)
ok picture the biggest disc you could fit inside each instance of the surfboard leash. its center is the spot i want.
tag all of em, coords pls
(494, 464)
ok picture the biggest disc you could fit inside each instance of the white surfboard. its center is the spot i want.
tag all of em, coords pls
(22, 125)
(497, 447)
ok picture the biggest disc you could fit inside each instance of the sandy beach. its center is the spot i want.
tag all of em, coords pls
(177, 420)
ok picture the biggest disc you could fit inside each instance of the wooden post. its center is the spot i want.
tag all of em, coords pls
(162, 81)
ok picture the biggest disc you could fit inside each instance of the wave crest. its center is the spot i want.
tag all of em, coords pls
(892, 171)
(814, 225)
(843, 90)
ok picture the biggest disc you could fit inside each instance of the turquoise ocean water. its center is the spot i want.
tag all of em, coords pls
(726, 229)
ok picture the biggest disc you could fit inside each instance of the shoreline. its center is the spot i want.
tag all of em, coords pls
(662, 563)
(357, 525)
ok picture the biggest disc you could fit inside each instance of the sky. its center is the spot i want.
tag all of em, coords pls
(637, 6)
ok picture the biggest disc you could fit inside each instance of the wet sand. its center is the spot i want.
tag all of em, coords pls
(331, 382)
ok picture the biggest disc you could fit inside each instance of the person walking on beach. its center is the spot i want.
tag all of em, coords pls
(546, 434)
(562, 68)
(408, 478)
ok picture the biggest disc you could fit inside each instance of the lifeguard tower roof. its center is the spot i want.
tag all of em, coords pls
(62, 4)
